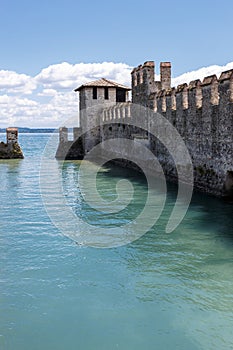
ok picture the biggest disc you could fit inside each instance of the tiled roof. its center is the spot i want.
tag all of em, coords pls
(102, 83)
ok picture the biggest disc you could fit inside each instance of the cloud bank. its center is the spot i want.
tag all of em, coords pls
(201, 73)
(48, 99)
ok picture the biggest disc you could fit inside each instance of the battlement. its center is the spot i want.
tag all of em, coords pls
(145, 74)
(211, 91)
(150, 93)
(200, 111)
(143, 81)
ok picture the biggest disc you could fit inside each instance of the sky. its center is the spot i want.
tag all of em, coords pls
(49, 47)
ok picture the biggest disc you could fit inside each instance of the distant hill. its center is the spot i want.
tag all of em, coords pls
(28, 130)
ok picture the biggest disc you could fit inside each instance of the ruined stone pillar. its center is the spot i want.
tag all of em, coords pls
(63, 134)
(12, 135)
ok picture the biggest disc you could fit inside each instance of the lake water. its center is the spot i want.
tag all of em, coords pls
(163, 291)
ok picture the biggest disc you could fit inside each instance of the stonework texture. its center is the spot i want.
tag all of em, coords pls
(202, 113)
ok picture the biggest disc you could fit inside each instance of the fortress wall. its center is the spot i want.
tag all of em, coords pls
(115, 122)
(143, 83)
(202, 113)
(225, 124)
(89, 112)
(194, 120)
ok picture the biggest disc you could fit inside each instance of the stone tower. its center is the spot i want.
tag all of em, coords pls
(93, 96)
(144, 84)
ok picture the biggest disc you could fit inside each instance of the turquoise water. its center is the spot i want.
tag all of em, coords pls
(163, 291)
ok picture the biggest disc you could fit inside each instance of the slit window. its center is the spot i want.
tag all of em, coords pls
(106, 93)
(94, 93)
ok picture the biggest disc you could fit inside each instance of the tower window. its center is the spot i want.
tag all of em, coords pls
(106, 93)
(120, 95)
(94, 93)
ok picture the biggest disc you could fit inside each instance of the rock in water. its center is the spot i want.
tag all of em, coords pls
(11, 149)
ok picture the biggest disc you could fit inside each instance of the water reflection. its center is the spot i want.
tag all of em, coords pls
(9, 174)
(192, 265)
(163, 291)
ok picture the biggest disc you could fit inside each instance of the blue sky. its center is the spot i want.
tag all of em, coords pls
(38, 36)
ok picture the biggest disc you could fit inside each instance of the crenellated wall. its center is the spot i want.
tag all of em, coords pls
(201, 111)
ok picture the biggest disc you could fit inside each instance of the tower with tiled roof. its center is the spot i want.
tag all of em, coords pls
(94, 96)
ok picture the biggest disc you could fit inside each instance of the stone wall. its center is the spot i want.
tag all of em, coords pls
(89, 113)
(70, 149)
(202, 113)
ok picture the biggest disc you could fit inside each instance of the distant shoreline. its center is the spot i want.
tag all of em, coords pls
(32, 131)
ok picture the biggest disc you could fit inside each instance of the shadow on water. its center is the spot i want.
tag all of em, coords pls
(217, 214)
(206, 213)
(214, 214)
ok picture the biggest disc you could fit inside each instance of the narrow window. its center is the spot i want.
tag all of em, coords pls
(120, 95)
(106, 93)
(94, 93)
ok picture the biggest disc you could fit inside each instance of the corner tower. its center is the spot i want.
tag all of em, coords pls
(144, 84)
(94, 96)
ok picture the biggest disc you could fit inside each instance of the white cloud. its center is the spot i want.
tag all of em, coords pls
(52, 99)
(13, 82)
(48, 92)
(201, 73)
(16, 110)
(66, 76)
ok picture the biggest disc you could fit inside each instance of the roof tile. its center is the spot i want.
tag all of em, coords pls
(102, 83)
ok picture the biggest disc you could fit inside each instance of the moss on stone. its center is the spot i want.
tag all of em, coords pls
(10, 151)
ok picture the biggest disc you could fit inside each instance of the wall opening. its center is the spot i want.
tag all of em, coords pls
(106, 93)
(120, 95)
(94, 92)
